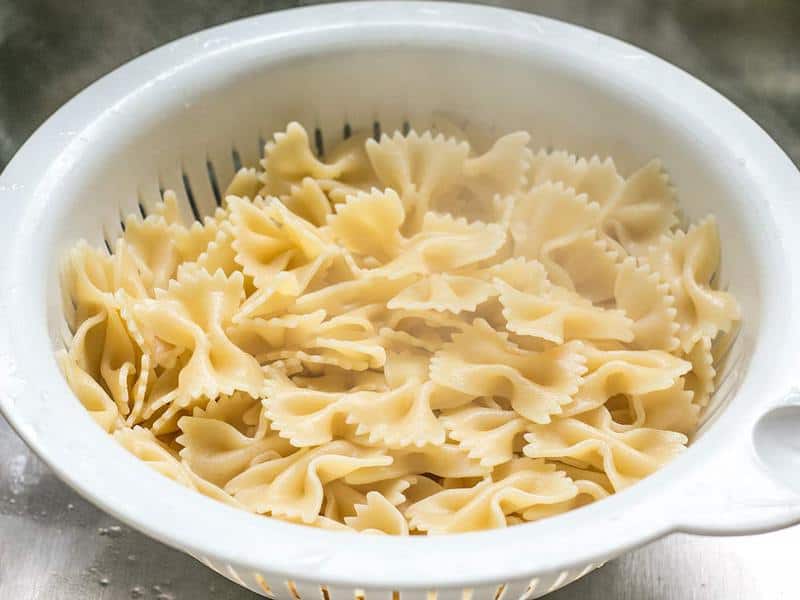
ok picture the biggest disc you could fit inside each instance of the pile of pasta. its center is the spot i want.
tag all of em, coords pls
(405, 336)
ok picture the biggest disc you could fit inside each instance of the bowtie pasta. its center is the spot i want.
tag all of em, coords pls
(405, 336)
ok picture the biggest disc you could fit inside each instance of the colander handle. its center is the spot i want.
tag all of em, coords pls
(753, 487)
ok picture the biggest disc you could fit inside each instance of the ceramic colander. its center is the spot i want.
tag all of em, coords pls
(186, 115)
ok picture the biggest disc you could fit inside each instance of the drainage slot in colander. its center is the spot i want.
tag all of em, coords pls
(237, 159)
(292, 589)
(262, 583)
(190, 195)
(212, 178)
(319, 143)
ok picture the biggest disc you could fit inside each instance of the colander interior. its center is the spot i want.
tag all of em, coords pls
(191, 133)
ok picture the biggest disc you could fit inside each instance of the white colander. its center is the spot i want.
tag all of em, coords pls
(185, 115)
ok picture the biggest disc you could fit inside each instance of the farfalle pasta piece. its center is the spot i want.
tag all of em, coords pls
(596, 178)
(419, 322)
(589, 265)
(87, 344)
(688, 262)
(348, 341)
(342, 499)
(547, 217)
(490, 435)
(448, 243)
(482, 362)
(700, 380)
(402, 366)
(642, 210)
(591, 486)
(146, 447)
(239, 410)
(359, 173)
(94, 279)
(445, 460)
(219, 254)
(443, 292)
(501, 170)
(122, 366)
(217, 451)
(627, 372)
(160, 245)
(369, 223)
(419, 167)
(245, 184)
(306, 416)
(276, 337)
(397, 418)
(488, 180)
(348, 295)
(92, 396)
(292, 486)
(162, 354)
(647, 300)
(269, 239)
(284, 289)
(288, 159)
(378, 515)
(157, 393)
(393, 418)
(555, 319)
(445, 244)
(670, 409)
(193, 313)
(307, 200)
(523, 484)
(624, 457)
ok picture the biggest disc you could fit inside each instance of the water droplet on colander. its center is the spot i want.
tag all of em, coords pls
(104, 581)
(131, 558)
(102, 531)
(165, 596)
(137, 591)
(157, 588)
(70, 506)
(114, 531)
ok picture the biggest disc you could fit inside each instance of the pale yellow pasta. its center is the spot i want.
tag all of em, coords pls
(519, 485)
(378, 515)
(687, 261)
(405, 335)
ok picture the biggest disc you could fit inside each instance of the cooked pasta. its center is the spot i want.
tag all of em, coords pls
(404, 337)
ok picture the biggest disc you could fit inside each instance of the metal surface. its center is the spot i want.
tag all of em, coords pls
(54, 545)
